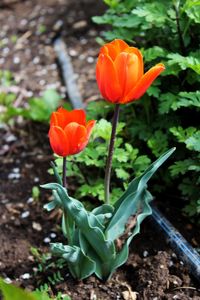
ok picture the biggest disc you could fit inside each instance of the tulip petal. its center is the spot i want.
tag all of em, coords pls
(114, 48)
(77, 137)
(138, 53)
(58, 141)
(144, 83)
(127, 66)
(62, 117)
(107, 79)
(89, 127)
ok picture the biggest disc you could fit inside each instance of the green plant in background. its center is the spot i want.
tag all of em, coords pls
(48, 268)
(127, 162)
(38, 109)
(168, 114)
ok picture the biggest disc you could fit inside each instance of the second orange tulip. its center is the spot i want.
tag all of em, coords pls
(120, 73)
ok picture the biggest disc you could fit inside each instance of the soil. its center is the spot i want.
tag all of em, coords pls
(153, 270)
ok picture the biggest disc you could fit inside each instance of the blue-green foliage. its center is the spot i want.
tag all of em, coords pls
(91, 235)
(168, 114)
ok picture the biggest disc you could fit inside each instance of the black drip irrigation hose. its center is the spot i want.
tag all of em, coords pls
(69, 77)
(182, 248)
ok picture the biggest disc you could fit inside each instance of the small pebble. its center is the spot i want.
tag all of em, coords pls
(145, 253)
(82, 56)
(11, 138)
(16, 170)
(25, 214)
(36, 226)
(29, 94)
(7, 280)
(52, 235)
(171, 263)
(92, 32)
(4, 201)
(90, 59)
(36, 179)
(30, 200)
(83, 41)
(2, 61)
(42, 82)
(53, 67)
(57, 26)
(80, 24)
(73, 52)
(26, 276)
(23, 22)
(161, 266)
(36, 60)
(16, 60)
(5, 51)
(47, 240)
(14, 176)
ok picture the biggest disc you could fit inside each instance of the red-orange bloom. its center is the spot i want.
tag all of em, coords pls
(69, 132)
(120, 73)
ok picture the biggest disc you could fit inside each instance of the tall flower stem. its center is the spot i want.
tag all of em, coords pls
(64, 172)
(110, 154)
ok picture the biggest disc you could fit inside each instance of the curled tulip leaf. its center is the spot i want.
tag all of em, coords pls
(80, 265)
(92, 235)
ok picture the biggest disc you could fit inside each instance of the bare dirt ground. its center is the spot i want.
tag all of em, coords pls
(28, 29)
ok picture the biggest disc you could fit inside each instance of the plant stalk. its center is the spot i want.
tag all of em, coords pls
(180, 35)
(64, 172)
(110, 154)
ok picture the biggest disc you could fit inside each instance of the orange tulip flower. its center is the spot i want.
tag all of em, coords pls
(69, 132)
(120, 73)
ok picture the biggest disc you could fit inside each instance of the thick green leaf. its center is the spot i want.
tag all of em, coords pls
(128, 203)
(103, 212)
(122, 257)
(56, 174)
(81, 266)
(87, 223)
(11, 292)
(56, 203)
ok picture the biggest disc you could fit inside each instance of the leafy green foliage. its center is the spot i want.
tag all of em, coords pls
(126, 163)
(47, 268)
(38, 109)
(168, 114)
(92, 235)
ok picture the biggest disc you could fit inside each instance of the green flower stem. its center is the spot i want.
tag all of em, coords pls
(110, 154)
(64, 172)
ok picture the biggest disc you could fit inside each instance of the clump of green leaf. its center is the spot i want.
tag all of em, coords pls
(48, 268)
(127, 163)
(37, 108)
(11, 292)
(168, 114)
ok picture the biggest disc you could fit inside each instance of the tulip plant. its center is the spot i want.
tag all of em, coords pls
(98, 240)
